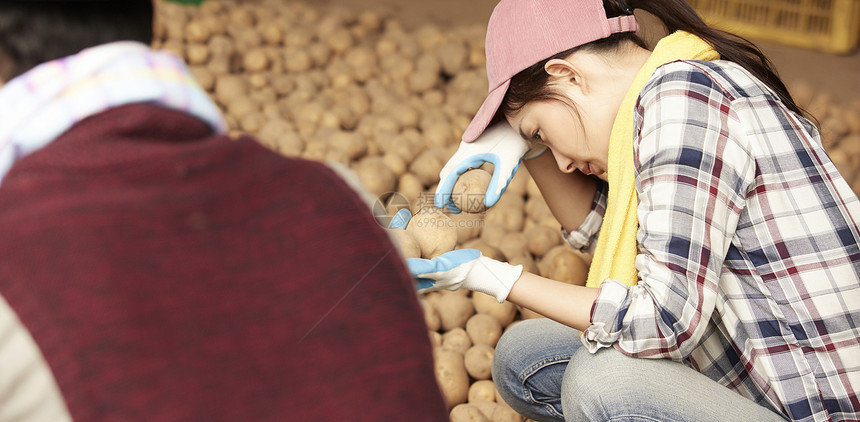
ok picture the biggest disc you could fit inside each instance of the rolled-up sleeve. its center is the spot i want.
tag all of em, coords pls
(693, 169)
(583, 238)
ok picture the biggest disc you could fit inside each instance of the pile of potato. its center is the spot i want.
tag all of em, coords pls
(390, 103)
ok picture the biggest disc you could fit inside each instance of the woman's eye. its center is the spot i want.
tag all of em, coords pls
(536, 137)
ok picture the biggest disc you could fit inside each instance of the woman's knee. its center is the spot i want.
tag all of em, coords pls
(529, 363)
(592, 383)
(510, 356)
(528, 342)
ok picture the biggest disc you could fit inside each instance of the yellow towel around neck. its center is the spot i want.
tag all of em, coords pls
(616, 250)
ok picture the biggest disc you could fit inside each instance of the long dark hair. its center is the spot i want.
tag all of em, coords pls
(531, 83)
(33, 32)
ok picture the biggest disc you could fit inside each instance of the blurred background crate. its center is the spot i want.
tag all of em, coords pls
(831, 26)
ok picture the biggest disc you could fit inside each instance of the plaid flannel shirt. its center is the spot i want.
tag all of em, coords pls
(748, 260)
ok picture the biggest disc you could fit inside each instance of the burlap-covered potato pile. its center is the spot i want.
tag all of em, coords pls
(390, 103)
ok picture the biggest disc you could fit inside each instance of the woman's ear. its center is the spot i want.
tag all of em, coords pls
(563, 71)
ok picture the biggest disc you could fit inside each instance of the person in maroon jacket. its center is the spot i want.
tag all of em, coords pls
(153, 269)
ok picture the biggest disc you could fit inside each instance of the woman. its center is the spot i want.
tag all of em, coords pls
(725, 242)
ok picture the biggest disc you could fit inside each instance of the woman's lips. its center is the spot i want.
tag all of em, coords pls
(587, 169)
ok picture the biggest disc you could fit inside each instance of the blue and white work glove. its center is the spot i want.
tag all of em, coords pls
(465, 269)
(499, 145)
(400, 219)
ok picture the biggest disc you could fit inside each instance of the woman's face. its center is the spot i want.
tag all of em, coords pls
(577, 135)
(576, 126)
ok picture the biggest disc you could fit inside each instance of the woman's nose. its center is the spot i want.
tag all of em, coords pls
(564, 164)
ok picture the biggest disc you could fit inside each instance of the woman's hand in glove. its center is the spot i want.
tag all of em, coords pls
(499, 145)
(466, 269)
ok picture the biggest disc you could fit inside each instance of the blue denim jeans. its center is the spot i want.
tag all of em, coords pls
(542, 370)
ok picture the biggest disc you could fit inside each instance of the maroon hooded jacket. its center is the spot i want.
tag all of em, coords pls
(170, 274)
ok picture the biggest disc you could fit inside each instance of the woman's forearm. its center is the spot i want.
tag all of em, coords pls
(568, 195)
(561, 302)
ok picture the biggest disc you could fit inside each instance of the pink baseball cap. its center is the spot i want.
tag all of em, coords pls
(524, 32)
